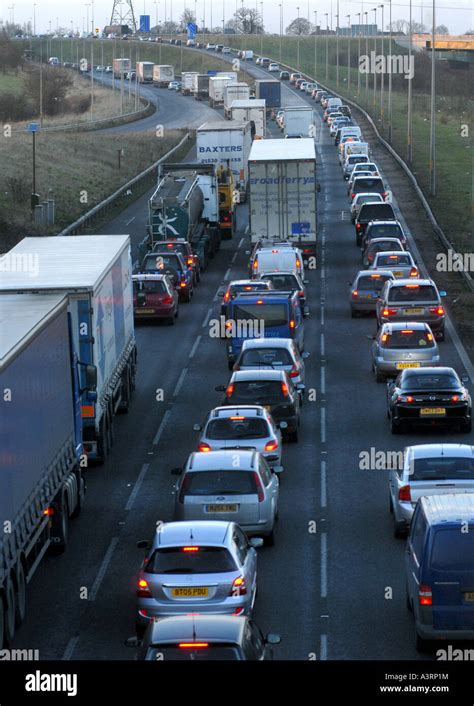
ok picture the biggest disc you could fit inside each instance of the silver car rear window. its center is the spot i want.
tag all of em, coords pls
(443, 468)
(219, 482)
(238, 428)
(190, 560)
(412, 293)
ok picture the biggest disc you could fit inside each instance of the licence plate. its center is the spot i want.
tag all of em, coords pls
(469, 597)
(190, 592)
(402, 366)
(222, 508)
(145, 311)
(434, 411)
(414, 311)
(398, 273)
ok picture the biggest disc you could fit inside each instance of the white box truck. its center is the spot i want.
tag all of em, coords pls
(187, 82)
(252, 110)
(162, 75)
(231, 74)
(217, 85)
(201, 86)
(96, 272)
(233, 92)
(282, 190)
(144, 71)
(227, 144)
(299, 122)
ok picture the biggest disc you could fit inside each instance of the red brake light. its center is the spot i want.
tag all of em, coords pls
(190, 549)
(190, 260)
(294, 373)
(404, 494)
(409, 398)
(389, 312)
(413, 272)
(238, 587)
(284, 389)
(298, 263)
(255, 264)
(143, 590)
(384, 337)
(203, 447)
(230, 390)
(248, 288)
(169, 245)
(455, 398)
(406, 331)
(227, 296)
(352, 195)
(168, 299)
(258, 483)
(440, 311)
(355, 293)
(237, 418)
(49, 511)
(271, 445)
(374, 276)
(182, 285)
(412, 286)
(193, 645)
(425, 595)
(358, 226)
(259, 301)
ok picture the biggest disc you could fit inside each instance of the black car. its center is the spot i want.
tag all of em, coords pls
(384, 229)
(199, 638)
(184, 247)
(273, 389)
(284, 75)
(372, 211)
(366, 185)
(345, 110)
(429, 397)
(174, 265)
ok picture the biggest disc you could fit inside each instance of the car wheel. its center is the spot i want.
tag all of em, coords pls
(399, 531)
(408, 601)
(441, 335)
(466, 427)
(170, 321)
(293, 436)
(187, 297)
(379, 377)
(269, 540)
(422, 645)
(395, 426)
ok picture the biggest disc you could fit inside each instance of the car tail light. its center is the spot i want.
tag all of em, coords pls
(374, 276)
(190, 549)
(143, 590)
(406, 331)
(425, 595)
(255, 264)
(239, 587)
(358, 226)
(384, 194)
(190, 261)
(271, 445)
(193, 645)
(292, 324)
(226, 296)
(385, 337)
(301, 293)
(404, 494)
(455, 398)
(168, 299)
(229, 390)
(298, 263)
(203, 447)
(414, 272)
(294, 372)
(182, 285)
(355, 293)
(389, 312)
(352, 195)
(284, 389)
(437, 310)
(49, 511)
(405, 398)
(371, 257)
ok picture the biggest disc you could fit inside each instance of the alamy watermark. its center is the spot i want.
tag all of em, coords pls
(26, 263)
(390, 64)
(453, 261)
(242, 328)
(381, 460)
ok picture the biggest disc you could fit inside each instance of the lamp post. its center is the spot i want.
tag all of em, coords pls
(433, 109)
(261, 35)
(34, 20)
(410, 98)
(358, 68)
(337, 46)
(375, 54)
(390, 73)
(298, 42)
(367, 54)
(327, 46)
(281, 25)
(382, 74)
(315, 45)
(87, 16)
(349, 52)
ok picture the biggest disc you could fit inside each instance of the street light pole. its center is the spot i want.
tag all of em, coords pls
(410, 97)
(375, 54)
(367, 54)
(261, 35)
(281, 25)
(298, 42)
(358, 67)
(433, 108)
(337, 46)
(34, 20)
(390, 74)
(382, 74)
(349, 53)
(315, 45)
(327, 47)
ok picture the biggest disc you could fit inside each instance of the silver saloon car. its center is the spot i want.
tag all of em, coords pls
(196, 567)
(428, 469)
(234, 485)
(401, 345)
(241, 427)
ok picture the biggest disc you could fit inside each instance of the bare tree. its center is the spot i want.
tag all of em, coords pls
(300, 26)
(187, 16)
(442, 29)
(247, 21)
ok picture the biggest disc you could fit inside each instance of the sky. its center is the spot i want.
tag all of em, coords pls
(457, 15)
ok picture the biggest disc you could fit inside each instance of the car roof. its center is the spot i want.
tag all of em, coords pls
(267, 374)
(438, 450)
(243, 282)
(267, 343)
(191, 628)
(370, 193)
(452, 507)
(252, 410)
(271, 295)
(383, 223)
(412, 280)
(153, 276)
(371, 273)
(216, 460)
(383, 239)
(403, 325)
(199, 532)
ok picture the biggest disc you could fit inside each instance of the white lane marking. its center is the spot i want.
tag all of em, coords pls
(247, 228)
(227, 275)
(131, 219)
(103, 568)
(180, 382)
(323, 380)
(136, 487)
(323, 425)
(323, 484)
(158, 434)
(322, 314)
(323, 346)
(208, 316)
(240, 244)
(194, 348)
(70, 647)
(234, 257)
(324, 565)
(323, 648)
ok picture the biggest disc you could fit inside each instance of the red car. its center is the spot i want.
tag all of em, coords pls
(155, 297)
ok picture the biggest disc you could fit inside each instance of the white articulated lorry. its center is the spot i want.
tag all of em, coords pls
(252, 110)
(217, 85)
(96, 272)
(144, 70)
(233, 92)
(282, 190)
(162, 75)
(299, 122)
(226, 143)
(187, 82)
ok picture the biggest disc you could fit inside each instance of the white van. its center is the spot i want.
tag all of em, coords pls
(334, 103)
(354, 148)
(278, 259)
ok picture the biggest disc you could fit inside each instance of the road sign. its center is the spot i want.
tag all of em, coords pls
(32, 127)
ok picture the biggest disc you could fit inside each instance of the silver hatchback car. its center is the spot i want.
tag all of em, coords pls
(408, 344)
(277, 353)
(365, 289)
(196, 567)
(401, 264)
(246, 427)
(232, 485)
(428, 469)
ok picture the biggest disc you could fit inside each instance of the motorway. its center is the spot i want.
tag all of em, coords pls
(333, 586)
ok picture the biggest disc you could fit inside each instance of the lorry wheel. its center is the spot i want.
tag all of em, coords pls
(103, 441)
(20, 602)
(9, 610)
(81, 491)
(61, 529)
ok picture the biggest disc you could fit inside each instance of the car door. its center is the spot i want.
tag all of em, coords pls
(247, 558)
(299, 326)
(413, 554)
(271, 484)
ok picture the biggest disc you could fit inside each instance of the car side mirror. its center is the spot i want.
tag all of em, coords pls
(390, 383)
(443, 293)
(283, 425)
(277, 469)
(305, 355)
(465, 379)
(176, 471)
(197, 427)
(132, 642)
(256, 542)
(220, 388)
(300, 387)
(272, 639)
(143, 544)
(247, 252)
